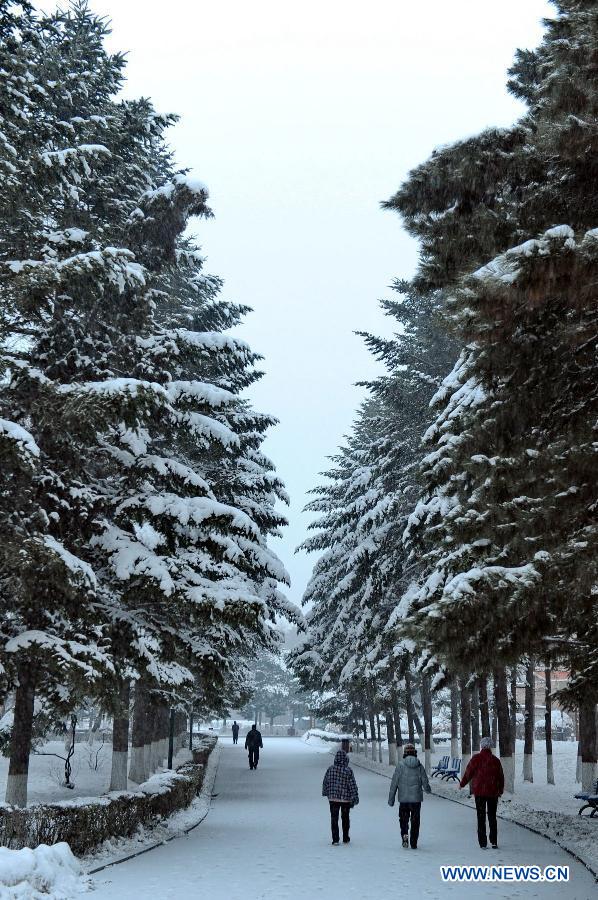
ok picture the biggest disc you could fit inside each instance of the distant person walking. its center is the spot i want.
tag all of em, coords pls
(340, 787)
(253, 743)
(485, 772)
(235, 730)
(409, 782)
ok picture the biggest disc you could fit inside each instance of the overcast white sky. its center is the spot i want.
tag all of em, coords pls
(301, 117)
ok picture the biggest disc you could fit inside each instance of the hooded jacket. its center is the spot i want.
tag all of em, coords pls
(409, 782)
(339, 783)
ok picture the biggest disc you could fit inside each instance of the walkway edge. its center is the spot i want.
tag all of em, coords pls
(514, 821)
(206, 793)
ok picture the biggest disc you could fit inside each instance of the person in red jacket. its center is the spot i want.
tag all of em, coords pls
(485, 772)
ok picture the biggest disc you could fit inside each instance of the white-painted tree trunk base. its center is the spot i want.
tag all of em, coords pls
(147, 760)
(379, 751)
(428, 761)
(508, 765)
(16, 790)
(392, 753)
(588, 776)
(549, 770)
(365, 749)
(528, 767)
(454, 748)
(137, 768)
(118, 775)
(578, 769)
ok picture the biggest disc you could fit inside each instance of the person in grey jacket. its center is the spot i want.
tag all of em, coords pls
(409, 782)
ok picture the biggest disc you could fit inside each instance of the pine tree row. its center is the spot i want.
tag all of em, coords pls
(135, 501)
(459, 525)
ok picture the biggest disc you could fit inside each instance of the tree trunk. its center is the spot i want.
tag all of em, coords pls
(465, 723)
(137, 771)
(587, 744)
(182, 730)
(396, 718)
(475, 717)
(530, 710)
(120, 740)
(94, 727)
(504, 728)
(20, 741)
(390, 734)
(379, 737)
(365, 733)
(454, 719)
(548, 725)
(484, 705)
(409, 706)
(149, 741)
(513, 710)
(156, 737)
(427, 714)
(164, 729)
(372, 725)
(190, 733)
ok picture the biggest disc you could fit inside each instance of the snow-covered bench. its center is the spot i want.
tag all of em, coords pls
(590, 802)
(454, 770)
(441, 766)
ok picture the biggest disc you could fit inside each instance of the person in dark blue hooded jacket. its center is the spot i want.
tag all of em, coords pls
(340, 787)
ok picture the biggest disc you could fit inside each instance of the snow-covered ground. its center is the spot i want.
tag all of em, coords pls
(90, 772)
(267, 838)
(551, 810)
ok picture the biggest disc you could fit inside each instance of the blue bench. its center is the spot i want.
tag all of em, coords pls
(453, 773)
(590, 802)
(440, 767)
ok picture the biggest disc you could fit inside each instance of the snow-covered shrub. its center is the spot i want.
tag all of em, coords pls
(85, 822)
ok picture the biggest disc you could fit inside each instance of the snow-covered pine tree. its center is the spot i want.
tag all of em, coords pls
(507, 524)
(492, 420)
(208, 372)
(110, 393)
(51, 632)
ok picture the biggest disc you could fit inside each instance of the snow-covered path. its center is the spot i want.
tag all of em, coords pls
(268, 838)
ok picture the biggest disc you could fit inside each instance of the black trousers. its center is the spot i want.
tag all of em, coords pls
(254, 757)
(487, 805)
(410, 811)
(235, 738)
(344, 809)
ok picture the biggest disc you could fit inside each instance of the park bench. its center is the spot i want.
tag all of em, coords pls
(590, 802)
(453, 772)
(440, 767)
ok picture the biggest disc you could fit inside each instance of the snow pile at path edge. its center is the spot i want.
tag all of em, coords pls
(48, 872)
